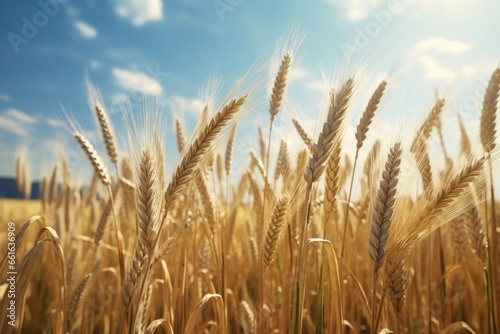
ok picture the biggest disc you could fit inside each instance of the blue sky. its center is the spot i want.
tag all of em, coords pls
(168, 49)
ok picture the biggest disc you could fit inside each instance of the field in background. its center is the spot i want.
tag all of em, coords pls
(19, 209)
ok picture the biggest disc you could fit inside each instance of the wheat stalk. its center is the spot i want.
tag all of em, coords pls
(44, 193)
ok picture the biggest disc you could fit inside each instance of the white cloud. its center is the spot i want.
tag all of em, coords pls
(17, 122)
(317, 85)
(135, 81)
(433, 3)
(298, 72)
(434, 70)
(139, 12)
(180, 105)
(442, 45)
(56, 123)
(356, 10)
(432, 54)
(85, 29)
(13, 126)
(118, 98)
(20, 116)
(5, 97)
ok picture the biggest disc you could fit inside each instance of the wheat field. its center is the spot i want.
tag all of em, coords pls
(283, 247)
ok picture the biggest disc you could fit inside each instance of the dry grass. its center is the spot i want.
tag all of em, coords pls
(288, 250)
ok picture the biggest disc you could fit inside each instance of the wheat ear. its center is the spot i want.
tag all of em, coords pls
(44, 194)
(430, 122)
(368, 114)
(101, 226)
(207, 202)
(384, 208)
(465, 145)
(275, 230)
(425, 169)
(283, 162)
(179, 132)
(94, 158)
(257, 200)
(246, 318)
(330, 131)
(229, 150)
(75, 300)
(190, 161)
(433, 213)
(303, 134)
(458, 185)
(26, 181)
(148, 206)
(107, 133)
(397, 283)
(256, 162)
(488, 113)
(205, 254)
(476, 234)
(19, 174)
(332, 184)
(219, 169)
(488, 137)
(53, 185)
(262, 145)
(279, 85)
(458, 236)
